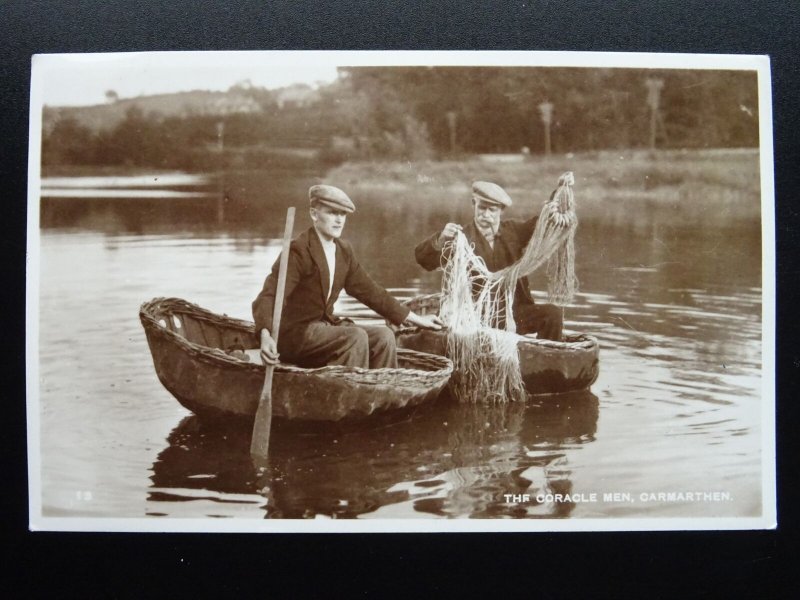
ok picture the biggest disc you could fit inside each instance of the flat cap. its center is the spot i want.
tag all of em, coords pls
(490, 192)
(331, 196)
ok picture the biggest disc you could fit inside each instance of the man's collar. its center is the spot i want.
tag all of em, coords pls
(323, 243)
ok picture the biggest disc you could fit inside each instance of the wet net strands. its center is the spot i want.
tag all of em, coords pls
(477, 303)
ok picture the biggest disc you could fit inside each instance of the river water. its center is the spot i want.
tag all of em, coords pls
(672, 427)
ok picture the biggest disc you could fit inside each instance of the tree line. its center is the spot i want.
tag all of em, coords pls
(416, 112)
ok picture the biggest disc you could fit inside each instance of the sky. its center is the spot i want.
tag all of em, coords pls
(84, 79)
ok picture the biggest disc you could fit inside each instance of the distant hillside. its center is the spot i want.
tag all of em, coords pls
(182, 104)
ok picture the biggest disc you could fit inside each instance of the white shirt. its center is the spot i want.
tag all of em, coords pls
(329, 248)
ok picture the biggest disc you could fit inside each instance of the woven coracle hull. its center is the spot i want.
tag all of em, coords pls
(546, 367)
(191, 349)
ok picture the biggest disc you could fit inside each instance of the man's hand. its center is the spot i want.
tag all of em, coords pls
(425, 321)
(448, 233)
(566, 178)
(269, 349)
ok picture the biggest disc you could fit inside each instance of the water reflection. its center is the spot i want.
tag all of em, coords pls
(447, 460)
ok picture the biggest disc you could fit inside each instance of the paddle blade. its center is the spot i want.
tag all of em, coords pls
(259, 444)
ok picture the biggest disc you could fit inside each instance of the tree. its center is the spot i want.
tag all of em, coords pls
(376, 119)
(593, 108)
(69, 143)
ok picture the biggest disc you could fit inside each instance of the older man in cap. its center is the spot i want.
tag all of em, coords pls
(320, 265)
(499, 243)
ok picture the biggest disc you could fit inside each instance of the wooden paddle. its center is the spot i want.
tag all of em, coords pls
(259, 444)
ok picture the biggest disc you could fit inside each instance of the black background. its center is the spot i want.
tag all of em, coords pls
(562, 565)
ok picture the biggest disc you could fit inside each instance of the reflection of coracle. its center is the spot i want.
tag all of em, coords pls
(477, 427)
(563, 419)
(516, 449)
(547, 433)
(448, 459)
(204, 460)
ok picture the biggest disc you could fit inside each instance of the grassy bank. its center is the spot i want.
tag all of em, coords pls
(718, 187)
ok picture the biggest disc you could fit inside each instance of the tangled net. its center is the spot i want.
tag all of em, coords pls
(477, 303)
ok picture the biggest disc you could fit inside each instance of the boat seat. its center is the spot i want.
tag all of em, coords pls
(254, 356)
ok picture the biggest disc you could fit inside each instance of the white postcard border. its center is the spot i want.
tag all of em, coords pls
(43, 64)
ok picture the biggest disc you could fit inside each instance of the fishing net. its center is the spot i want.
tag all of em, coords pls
(477, 303)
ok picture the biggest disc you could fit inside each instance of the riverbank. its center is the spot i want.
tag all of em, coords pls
(720, 187)
(637, 190)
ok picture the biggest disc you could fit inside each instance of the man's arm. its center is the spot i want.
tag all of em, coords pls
(429, 252)
(361, 286)
(523, 229)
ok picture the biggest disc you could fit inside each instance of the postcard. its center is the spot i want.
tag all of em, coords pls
(329, 291)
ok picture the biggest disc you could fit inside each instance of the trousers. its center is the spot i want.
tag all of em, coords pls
(544, 320)
(350, 345)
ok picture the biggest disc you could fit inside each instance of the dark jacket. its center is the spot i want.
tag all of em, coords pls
(307, 286)
(509, 244)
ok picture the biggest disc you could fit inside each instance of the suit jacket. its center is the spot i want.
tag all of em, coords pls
(509, 244)
(305, 295)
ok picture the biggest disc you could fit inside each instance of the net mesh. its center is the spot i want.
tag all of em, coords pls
(477, 304)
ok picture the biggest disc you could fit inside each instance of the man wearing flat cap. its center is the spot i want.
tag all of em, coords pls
(499, 243)
(320, 266)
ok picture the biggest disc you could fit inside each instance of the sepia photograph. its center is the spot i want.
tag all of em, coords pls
(408, 291)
